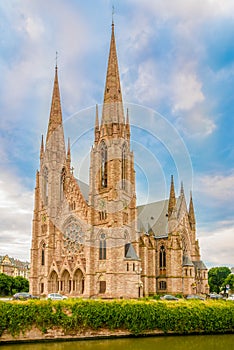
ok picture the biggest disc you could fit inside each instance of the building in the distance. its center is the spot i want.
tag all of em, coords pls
(14, 267)
(92, 240)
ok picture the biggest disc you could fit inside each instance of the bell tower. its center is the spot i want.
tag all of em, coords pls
(112, 193)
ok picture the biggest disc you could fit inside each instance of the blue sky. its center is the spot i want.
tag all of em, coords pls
(176, 61)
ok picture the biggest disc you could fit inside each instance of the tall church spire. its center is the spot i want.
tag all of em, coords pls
(55, 112)
(42, 147)
(192, 219)
(172, 198)
(112, 103)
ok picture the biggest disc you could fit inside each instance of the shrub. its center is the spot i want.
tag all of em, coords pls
(135, 316)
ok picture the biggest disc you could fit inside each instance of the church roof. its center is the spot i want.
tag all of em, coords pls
(84, 189)
(187, 261)
(130, 252)
(154, 216)
(199, 265)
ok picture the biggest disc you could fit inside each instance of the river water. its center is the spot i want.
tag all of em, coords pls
(193, 342)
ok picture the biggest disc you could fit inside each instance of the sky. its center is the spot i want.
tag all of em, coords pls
(176, 62)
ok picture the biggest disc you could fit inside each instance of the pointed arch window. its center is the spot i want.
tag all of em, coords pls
(102, 247)
(43, 254)
(124, 166)
(103, 165)
(45, 186)
(62, 183)
(162, 258)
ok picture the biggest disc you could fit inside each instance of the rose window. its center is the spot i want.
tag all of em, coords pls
(73, 238)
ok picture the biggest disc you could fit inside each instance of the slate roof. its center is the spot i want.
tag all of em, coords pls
(14, 262)
(130, 252)
(153, 216)
(187, 261)
(200, 265)
(84, 189)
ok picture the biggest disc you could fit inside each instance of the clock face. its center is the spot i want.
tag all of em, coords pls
(73, 238)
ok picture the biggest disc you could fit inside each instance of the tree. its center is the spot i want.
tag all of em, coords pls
(6, 284)
(11, 285)
(216, 278)
(20, 284)
(229, 281)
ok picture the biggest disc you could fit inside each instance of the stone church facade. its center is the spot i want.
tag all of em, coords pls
(92, 240)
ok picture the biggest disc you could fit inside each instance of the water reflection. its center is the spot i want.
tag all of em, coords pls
(214, 342)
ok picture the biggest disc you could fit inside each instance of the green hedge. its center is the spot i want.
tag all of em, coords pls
(135, 316)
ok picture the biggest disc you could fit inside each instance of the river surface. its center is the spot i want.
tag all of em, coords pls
(194, 342)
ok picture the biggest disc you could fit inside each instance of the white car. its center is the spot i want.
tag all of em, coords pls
(56, 296)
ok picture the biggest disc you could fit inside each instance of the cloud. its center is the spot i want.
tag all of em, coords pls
(187, 90)
(218, 188)
(217, 246)
(195, 123)
(192, 11)
(16, 207)
(147, 86)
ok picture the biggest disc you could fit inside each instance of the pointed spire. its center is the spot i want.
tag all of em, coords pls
(97, 121)
(42, 147)
(192, 219)
(127, 125)
(172, 199)
(127, 119)
(68, 153)
(36, 195)
(112, 104)
(96, 130)
(55, 112)
(68, 149)
(37, 179)
(182, 189)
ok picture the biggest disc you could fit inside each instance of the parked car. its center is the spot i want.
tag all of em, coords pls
(230, 297)
(56, 296)
(23, 296)
(169, 297)
(194, 296)
(215, 296)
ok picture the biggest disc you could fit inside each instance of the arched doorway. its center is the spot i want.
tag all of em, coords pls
(78, 282)
(65, 285)
(53, 283)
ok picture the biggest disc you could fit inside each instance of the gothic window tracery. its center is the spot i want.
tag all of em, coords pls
(162, 259)
(43, 254)
(103, 165)
(73, 238)
(102, 247)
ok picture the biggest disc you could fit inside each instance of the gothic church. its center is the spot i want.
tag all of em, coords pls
(92, 240)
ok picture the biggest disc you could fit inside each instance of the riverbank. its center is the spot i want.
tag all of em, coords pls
(90, 319)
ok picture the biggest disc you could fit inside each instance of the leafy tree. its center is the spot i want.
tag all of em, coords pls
(216, 278)
(10, 285)
(229, 281)
(20, 284)
(6, 284)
